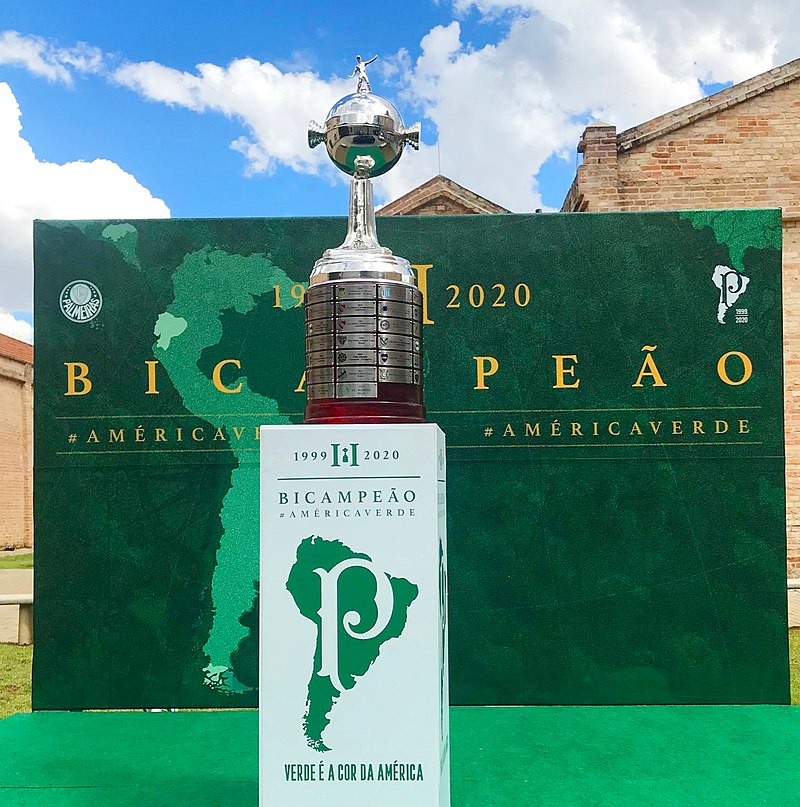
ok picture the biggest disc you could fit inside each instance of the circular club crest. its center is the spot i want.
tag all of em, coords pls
(80, 301)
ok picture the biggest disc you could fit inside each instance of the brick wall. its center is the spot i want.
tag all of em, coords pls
(744, 156)
(597, 179)
(441, 206)
(16, 462)
(740, 150)
(440, 196)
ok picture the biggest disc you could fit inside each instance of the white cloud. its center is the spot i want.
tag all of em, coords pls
(274, 106)
(722, 40)
(32, 188)
(503, 109)
(43, 58)
(17, 328)
(499, 110)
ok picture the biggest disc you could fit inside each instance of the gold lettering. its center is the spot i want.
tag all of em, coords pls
(485, 366)
(677, 427)
(655, 426)
(747, 368)
(216, 376)
(151, 378)
(202, 434)
(595, 424)
(576, 430)
(160, 437)
(115, 436)
(180, 434)
(532, 431)
(649, 369)
(717, 424)
(77, 371)
(611, 430)
(697, 427)
(744, 427)
(301, 387)
(422, 284)
(509, 432)
(219, 435)
(562, 371)
(238, 431)
(92, 438)
(636, 429)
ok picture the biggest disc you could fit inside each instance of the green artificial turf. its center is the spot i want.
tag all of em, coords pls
(600, 756)
(549, 756)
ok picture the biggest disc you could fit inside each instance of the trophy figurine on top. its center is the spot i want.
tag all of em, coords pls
(363, 308)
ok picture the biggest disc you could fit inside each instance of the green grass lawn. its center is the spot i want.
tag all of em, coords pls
(15, 675)
(16, 561)
(15, 679)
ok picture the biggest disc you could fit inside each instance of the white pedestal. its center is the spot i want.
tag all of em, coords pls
(353, 618)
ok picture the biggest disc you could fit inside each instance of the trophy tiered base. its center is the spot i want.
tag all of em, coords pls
(364, 352)
(354, 702)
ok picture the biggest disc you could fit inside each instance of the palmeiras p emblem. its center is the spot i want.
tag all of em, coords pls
(80, 301)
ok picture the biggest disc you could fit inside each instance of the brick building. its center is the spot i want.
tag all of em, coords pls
(737, 148)
(440, 196)
(16, 447)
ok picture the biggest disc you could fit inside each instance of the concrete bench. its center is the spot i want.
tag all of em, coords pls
(25, 603)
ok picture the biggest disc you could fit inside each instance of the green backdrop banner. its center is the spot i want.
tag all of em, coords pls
(611, 390)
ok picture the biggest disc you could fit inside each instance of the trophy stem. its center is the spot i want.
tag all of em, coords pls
(361, 230)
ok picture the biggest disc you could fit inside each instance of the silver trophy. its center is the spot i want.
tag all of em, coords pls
(363, 309)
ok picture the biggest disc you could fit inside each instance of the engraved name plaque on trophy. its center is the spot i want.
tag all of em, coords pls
(353, 693)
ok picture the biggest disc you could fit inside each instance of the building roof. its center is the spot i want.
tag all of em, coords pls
(711, 105)
(14, 349)
(423, 199)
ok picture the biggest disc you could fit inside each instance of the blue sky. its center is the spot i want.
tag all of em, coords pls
(189, 155)
(506, 87)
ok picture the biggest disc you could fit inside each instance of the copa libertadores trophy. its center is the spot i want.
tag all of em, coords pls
(363, 309)
(353, 677)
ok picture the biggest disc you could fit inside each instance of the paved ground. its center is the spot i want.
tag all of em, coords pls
(13, 581)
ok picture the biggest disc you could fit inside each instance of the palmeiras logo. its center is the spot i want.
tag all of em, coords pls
(80, 301)
(732, 285)
(356, 607)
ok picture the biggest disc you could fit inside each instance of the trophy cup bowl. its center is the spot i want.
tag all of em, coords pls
(364, 125)
(363, 309)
